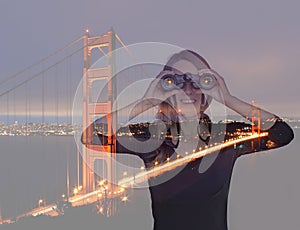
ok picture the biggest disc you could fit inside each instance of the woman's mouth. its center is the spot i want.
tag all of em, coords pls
(188, 101)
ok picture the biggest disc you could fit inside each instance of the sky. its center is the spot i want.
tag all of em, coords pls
(254, 45)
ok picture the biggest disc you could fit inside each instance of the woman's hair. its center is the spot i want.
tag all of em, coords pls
(187, 55)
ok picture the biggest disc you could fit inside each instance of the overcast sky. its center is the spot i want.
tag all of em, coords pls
(253, 44)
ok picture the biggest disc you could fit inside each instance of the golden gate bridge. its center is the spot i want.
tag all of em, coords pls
(46, 88)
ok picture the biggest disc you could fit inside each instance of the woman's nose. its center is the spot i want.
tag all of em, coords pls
(188, 88)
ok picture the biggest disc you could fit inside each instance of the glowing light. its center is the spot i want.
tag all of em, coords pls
(101, 209)
(124, 198)
(271, 144)
(75, 191)
(102, 182)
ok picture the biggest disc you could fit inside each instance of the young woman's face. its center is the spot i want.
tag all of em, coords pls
(189, 98)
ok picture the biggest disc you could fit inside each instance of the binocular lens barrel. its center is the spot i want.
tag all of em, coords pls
(168, 82)
(204, 81)
(207, 81)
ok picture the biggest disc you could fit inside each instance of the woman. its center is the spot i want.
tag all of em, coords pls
(195, 197)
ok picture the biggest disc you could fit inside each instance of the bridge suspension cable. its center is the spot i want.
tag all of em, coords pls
(72, 43)
(41, 72)
(41, 61)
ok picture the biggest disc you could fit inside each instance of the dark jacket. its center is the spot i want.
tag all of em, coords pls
(189, 199)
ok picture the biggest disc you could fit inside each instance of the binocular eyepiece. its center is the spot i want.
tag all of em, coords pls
(204, 81)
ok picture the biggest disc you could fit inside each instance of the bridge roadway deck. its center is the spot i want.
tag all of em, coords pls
(92, 197)
(76, 200)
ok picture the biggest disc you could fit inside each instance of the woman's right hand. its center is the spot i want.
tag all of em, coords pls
(155, 90)
(153, 96)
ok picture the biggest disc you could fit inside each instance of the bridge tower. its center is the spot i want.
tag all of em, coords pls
(91, 109)
(255, 119)
(255, 125)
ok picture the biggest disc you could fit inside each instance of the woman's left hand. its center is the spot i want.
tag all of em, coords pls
(220, 91)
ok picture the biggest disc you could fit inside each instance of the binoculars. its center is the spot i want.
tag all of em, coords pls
(204, 81)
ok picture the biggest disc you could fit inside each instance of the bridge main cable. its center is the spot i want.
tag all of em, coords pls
(42, 60)
(41, 72)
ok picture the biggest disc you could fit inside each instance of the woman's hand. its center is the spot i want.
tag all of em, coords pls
(155, 90)
(220, 91)
(154, 95)
(221, 94)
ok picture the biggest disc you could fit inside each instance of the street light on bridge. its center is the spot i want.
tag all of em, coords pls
(75, 191)
(40, 202)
